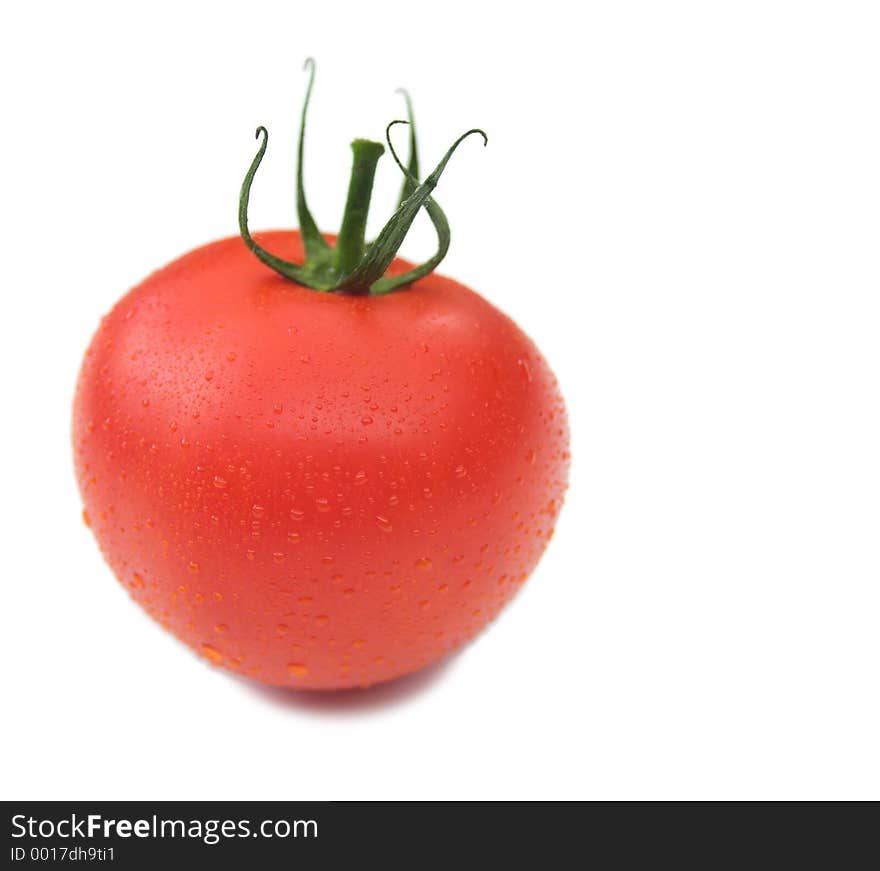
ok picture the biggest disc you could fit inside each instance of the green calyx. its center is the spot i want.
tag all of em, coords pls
(353, 264)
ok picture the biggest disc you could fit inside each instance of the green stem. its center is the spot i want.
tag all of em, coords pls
(352, 234)
(383, 248)
(352, 265)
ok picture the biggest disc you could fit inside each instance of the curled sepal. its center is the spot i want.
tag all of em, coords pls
(435, 213)
(411, 174)
(293, 271)
(313, 242)
(380, 254)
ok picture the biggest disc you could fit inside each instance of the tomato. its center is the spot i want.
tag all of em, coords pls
(316, 490)
(325, 473)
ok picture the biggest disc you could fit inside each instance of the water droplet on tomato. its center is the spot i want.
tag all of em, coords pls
(212, 654)
(383, 523)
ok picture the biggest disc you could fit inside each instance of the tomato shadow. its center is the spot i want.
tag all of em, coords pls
(355, 701)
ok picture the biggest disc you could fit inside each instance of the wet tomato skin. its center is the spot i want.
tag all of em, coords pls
(316, 490)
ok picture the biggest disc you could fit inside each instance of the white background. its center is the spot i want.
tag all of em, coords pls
(680, 202)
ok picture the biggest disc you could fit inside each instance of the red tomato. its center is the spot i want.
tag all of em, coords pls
(316, 490)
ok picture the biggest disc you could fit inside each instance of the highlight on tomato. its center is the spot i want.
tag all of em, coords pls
(315, 463)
